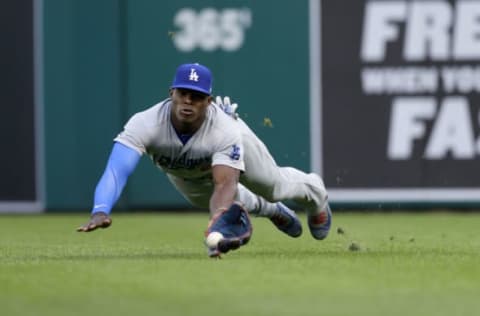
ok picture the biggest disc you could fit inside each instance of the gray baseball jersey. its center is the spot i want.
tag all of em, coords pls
(221, 140)
(215, 143)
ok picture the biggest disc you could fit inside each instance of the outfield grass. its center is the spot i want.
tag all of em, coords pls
(155, 264)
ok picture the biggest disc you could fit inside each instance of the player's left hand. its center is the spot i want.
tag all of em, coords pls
(234, 225)
(227, 106)
(97, 220)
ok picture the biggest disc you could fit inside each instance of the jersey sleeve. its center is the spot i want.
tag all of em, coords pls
(121, 164)
(230, 153)
(135, 134)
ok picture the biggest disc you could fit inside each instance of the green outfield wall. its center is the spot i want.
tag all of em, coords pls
(83, 101)
(105, 60)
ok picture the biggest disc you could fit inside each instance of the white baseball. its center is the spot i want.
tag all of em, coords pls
(213, 238)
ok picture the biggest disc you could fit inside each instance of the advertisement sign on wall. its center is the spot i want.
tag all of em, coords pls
(397, 98)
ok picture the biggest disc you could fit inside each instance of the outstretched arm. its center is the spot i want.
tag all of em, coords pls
(229, 226)
(121, 163)
(225, 179)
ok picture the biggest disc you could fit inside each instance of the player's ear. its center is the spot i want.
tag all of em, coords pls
(170, 92)
(210, 99)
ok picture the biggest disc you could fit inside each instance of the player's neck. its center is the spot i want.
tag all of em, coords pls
(186, 127)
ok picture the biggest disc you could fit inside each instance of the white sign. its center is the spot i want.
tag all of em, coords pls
(211, 29)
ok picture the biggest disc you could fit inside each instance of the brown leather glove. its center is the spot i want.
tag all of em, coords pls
(97, 220)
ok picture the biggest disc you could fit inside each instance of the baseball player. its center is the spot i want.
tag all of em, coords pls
(215, 161)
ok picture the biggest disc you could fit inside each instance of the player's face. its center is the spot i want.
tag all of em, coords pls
(189, 109)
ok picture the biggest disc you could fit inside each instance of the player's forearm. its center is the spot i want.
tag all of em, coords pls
(121, 163)
(222, 197)
(225, 180)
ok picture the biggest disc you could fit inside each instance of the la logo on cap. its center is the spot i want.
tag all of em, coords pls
(193, 75)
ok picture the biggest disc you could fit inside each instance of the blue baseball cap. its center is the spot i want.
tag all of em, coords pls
(194, 77)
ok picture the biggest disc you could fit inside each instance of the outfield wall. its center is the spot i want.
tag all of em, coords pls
(107, 60)
(400, 105)
(380, 97)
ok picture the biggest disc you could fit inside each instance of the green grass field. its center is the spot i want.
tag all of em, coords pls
(155, 264)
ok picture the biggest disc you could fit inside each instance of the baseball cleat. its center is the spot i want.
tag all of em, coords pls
(320, 223)
(287, 221)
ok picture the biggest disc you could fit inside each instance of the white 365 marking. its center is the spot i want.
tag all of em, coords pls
(211, 29)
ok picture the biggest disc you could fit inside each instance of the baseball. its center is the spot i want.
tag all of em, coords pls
(213, 238)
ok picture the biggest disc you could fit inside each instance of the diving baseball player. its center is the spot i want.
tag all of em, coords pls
(215, 161)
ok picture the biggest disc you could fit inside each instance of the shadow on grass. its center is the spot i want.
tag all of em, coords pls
(239, 254)
(107, 257)
(367, 253)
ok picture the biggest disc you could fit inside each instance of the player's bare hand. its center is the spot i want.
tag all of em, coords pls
(97, 220)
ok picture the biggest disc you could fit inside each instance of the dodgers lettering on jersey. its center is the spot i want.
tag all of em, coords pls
(217, 142)
(182, 163)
